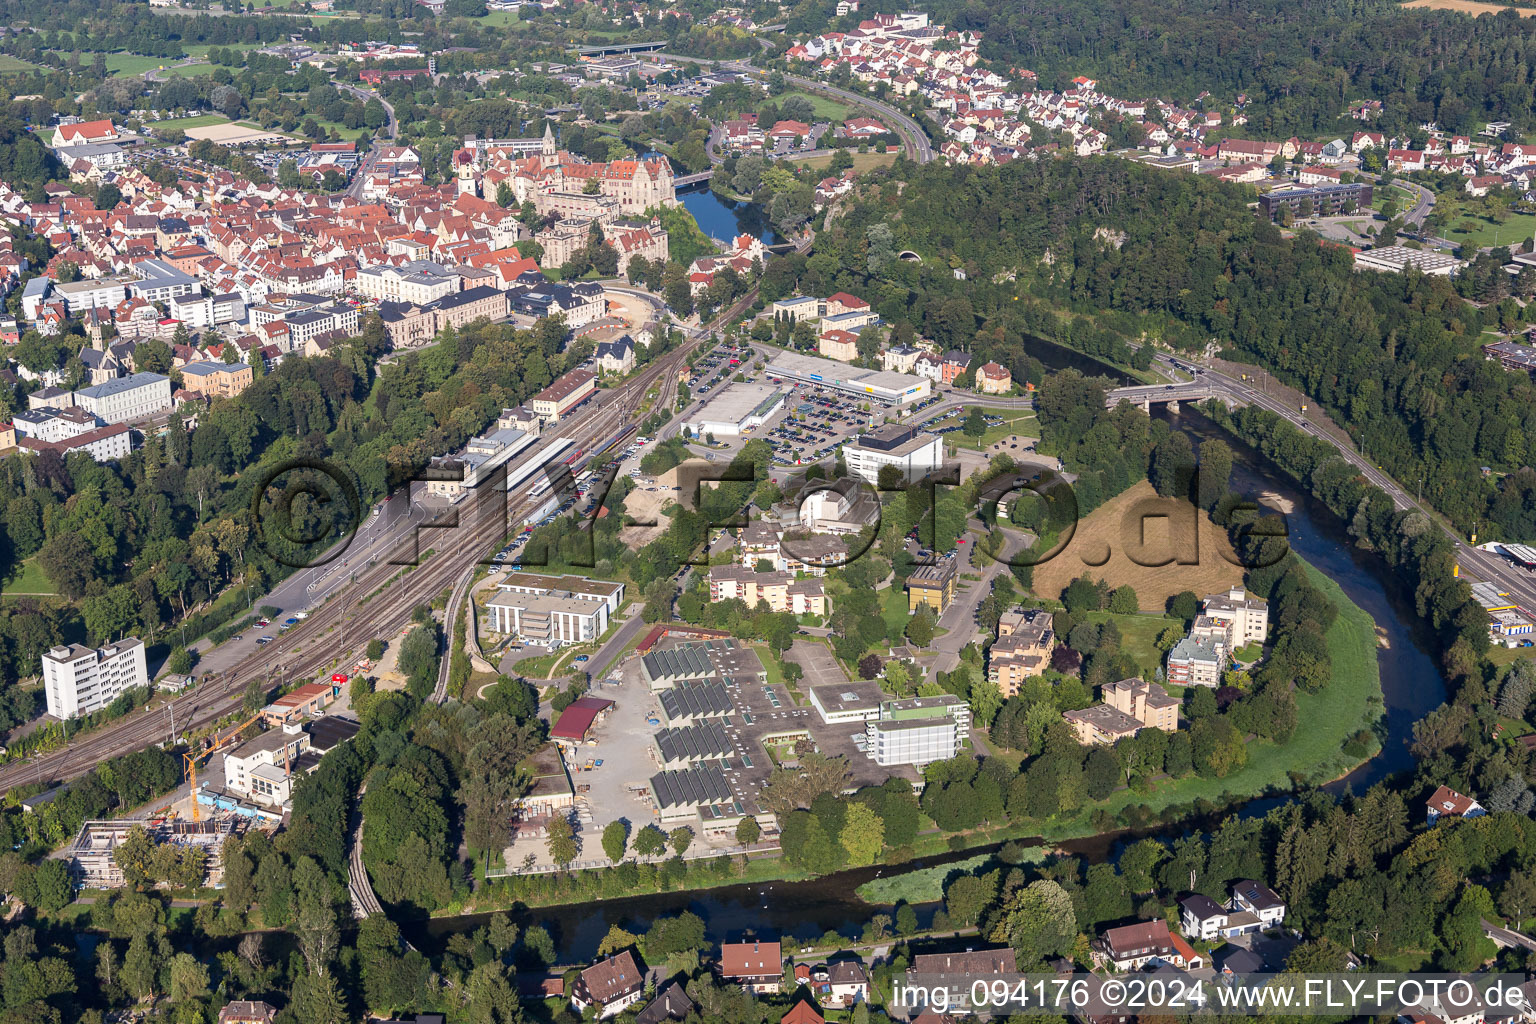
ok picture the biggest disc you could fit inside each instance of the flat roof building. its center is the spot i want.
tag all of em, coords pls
(738, 409)
(552, 611)
(1398, 258)
(880, 385)
(915, 453)
(79, 680)
(918, 731)
(853, 701)
(932, 585)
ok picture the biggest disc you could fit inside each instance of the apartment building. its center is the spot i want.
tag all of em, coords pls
(918, 730)
(1244, 617)
(216, 380)
(779, 590)
(1197, 661)
(1129, 706)
(1022, 649)
(932, 585)
(78, 680)
(160, 282)
(126, 398)
(479, 303)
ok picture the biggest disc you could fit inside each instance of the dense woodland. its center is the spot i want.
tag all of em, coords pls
(1089, 248)
(1299, 64)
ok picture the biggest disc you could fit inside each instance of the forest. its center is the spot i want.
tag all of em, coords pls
(1084, 248)
(1299, 65)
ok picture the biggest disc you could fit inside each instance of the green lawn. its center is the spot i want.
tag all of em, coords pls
(770, 666)
(30, 580)
(183, 123)
(1404, 198)
(893, 606)
(1139, 636)
(1351, 701)
(1517, 227)
(9, 63)
(1501, 655)
(826, 108)
(500, 19)
(862, 162)
(133, 63)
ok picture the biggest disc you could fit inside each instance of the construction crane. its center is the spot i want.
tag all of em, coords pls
(193, 758)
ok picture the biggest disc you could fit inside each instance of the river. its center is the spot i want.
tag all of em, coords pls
(1411, 683)
(722, 219)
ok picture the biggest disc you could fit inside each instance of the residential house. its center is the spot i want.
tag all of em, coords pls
(612, 986)
(993, 379)
(756, 966)
(1134, 946)
(1445, 802)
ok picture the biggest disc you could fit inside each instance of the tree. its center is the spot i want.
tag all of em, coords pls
(1123, 600)
(615, 839)
(863, 834)
(681, 838)
(1038, 921)
(189, 978)
(650, 841)
(975, 424)
(748, 831)
(920, 627)
(561, 841)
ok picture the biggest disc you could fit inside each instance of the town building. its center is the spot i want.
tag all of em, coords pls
(262, 769)
(915, 453)
(126, 398)
(1320, 201)
(211, 379)
(552, 611)
(79, 680)
(875, 385)
(918, 730)
(1395, 259)
(565, 394)
(932, 586)
(1134, 946)
(993, 379)
(1245, 618)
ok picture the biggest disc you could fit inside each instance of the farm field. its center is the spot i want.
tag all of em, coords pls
(1160, 527)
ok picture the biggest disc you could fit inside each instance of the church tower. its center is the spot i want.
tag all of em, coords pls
(549, 140)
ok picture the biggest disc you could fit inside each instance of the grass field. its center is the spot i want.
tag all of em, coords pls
(1139, 636)
(1160, 528)
(826, 108)
(1517, 227)
(9, 63)
(1471, 7)
(1404, 198)
(862, 162)
(500, 19)
(30, 580)
(200, 121)
(1351, 701)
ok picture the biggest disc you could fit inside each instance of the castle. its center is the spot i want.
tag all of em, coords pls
(557, 181)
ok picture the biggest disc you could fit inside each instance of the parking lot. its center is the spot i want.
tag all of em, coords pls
(816, 422)
(820, 666)
(762, 715)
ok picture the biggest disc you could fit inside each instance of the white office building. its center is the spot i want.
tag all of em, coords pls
(918, 731)
(552, 611)
(262, 769)
(915, 453)
(78, 680)
(126, 398)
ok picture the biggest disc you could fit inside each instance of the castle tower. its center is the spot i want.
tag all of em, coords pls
(549, 140)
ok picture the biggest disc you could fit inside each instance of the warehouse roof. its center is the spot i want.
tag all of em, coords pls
(702, 785)
(694, 742)
(695, 700)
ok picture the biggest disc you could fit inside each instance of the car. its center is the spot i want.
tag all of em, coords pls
(263, 640)
(290, 622)
(580, 658)
(237, 636)
(263, 622)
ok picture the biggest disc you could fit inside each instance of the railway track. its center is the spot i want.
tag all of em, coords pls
(331, 634)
